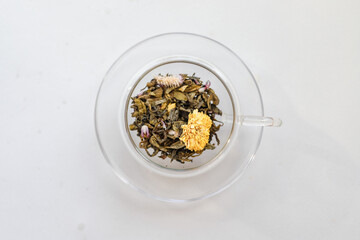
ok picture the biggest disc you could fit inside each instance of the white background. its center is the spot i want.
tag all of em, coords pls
(304, 182)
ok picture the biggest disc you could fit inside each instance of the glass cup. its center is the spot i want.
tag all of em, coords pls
(240, 101)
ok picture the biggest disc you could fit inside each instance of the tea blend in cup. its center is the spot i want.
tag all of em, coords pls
(175, 117)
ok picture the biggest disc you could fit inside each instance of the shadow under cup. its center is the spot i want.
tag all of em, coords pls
(181, 65)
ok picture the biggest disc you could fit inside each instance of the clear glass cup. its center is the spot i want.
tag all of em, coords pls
(240, 102)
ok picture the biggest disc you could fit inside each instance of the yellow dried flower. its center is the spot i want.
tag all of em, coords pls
(196, 133)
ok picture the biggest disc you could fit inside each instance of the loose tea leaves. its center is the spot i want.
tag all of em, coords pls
(175, 117)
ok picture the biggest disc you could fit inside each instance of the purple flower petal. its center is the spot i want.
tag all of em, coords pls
(207, 85)
(145, 132)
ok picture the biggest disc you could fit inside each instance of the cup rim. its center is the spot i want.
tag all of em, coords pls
(226, 84)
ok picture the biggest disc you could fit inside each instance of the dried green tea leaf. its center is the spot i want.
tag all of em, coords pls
(176, 145)
(141, 108)
(216, 110)
(209, 146)
(152, 83)
(168, 90)
(180, 96)
(192, 88)
(188, 82)
(157, 93)
(133, 127)
(160, 101)
(213, 97)
(182, 89)
(173, 115)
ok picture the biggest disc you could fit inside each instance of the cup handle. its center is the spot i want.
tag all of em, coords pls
(257, 121)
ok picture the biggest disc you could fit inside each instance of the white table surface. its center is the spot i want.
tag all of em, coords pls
(304, 182)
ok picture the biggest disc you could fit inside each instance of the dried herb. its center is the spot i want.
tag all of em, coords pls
(162, 113)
